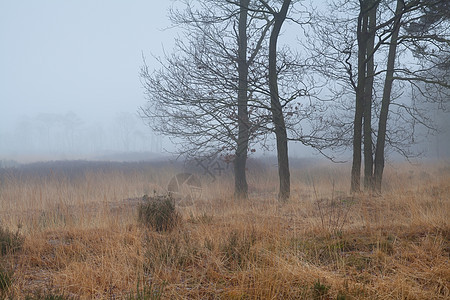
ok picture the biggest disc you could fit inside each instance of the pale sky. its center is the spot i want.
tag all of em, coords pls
(79, 55)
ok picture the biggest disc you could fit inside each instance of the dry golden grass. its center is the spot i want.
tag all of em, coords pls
(82, 239)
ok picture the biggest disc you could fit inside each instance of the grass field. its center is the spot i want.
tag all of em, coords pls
(71, 232)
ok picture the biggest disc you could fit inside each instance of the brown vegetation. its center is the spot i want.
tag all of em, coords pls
(81, 239)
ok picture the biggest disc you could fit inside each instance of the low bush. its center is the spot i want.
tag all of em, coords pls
(49, 296)
(148, 292)
(176, 250)
(320, 291)
(237, 248)
(158, 212)
(9, 242)
(6, 277)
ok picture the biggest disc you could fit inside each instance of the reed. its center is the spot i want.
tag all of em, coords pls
(81, 237)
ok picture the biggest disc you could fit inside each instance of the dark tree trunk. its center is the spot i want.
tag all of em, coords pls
(368, 145)
(359, 105)
(276, 108)
(240, 180)
(385, 102)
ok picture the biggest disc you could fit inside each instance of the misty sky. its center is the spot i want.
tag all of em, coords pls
(82, 56)
(78, 56)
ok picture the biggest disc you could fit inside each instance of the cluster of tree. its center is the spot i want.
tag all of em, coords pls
(228, 85)
(68, 134)
(386, 50)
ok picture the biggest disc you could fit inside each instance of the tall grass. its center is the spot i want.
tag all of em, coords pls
(83, 239)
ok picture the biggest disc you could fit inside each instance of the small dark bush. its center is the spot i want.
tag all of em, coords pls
(40, 296)
(341, 297)
(237, 248)
(158, 213)
(6, 277)
(9, 241)
(149, 292)
(176, 250)
(320, 290)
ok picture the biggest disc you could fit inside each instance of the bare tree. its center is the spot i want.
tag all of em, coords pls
(125, 127)
(434, 34)
(286, 86)
(275, 104)
(240, 161)
(385, 101)
(201, 94)
(365, 35)
(356, 61)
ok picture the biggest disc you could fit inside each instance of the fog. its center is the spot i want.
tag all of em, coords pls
(69, 80)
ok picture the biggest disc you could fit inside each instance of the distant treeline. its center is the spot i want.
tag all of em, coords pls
(9, 164)
(77, 168)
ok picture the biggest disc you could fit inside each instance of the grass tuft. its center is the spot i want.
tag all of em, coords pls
(148, 292)
(10, 242)
(174, 251)
(46, 296)
(6, 279)
(320, 290)
(237, 248)
(158, 213)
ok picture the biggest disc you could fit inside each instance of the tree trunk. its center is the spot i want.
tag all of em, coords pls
(368, 154)
(276, 108)
(359, 105)
(385, 102)
(240, 180)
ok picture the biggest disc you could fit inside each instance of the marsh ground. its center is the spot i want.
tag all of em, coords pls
(80, 238)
